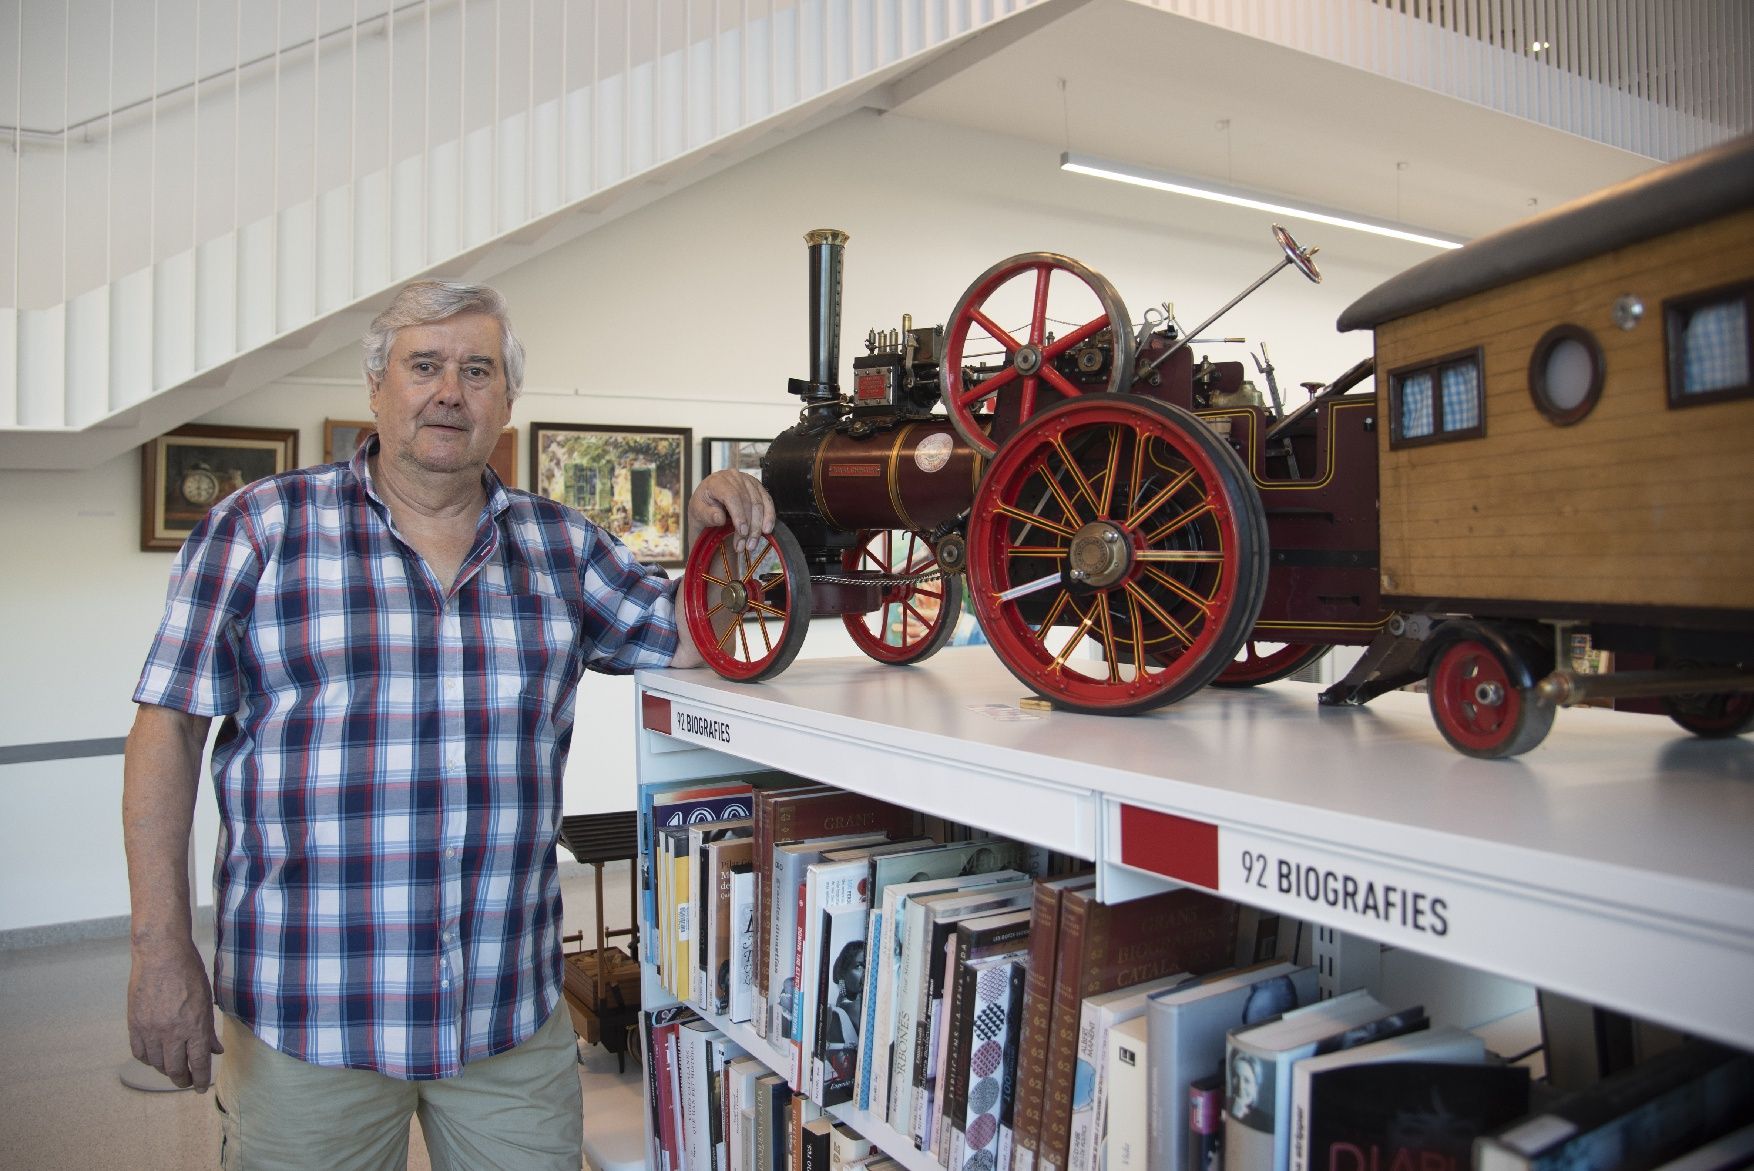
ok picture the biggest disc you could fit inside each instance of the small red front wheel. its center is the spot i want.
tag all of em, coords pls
(1268, 662)
(915, 619)
(1479, 707)
(748, 613)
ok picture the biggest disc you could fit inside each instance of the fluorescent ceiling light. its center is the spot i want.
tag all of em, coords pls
(1223, 193)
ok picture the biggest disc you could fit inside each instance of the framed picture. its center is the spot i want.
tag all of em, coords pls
(187, 471)
(341, 438)
(630, 480)
(742, 454)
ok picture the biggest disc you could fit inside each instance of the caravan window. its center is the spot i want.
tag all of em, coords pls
(1709, 350)
(1437, 401)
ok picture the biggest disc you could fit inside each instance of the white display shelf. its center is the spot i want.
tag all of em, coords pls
(1614, 863)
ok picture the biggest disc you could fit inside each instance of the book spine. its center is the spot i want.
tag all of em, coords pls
(1012, 1055)
(1044, 938)
(1080, 941)
(874, 957)
(960, 1010)
(795, 1039)
(909, 990)
(742, 944)
(1128, 1139)
(763, 1125)
(1207, 1126)
(1086, 1111)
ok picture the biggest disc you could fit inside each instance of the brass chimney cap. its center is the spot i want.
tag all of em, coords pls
(825, 236)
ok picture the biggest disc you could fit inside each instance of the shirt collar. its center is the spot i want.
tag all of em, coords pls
(498, 499)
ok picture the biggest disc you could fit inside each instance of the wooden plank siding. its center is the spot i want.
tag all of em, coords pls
(1636, 504)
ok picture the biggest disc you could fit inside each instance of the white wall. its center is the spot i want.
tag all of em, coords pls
(690, 312)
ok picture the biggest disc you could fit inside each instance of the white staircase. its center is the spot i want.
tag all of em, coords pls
(105, 369)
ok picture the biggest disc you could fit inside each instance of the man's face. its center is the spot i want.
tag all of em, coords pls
(441, 403)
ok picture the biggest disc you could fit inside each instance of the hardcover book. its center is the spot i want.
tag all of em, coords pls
(975, 939)
(1126, 1147)
(1188, 1027)
(1104, 947)
(1655, 1111)
(1258, 1061)
(1419, 1115)
(1032, 1057)
(1428, 1047)
(1096, 1017)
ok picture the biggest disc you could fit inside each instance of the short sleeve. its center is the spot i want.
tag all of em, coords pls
(630, 609)
(193, 664)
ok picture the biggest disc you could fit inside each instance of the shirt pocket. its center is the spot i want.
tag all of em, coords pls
(531, 647)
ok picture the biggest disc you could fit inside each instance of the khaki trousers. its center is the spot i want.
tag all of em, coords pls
(515, 1110)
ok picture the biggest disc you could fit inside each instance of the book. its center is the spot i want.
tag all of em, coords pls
(846, 1146)
(877, 1055)
(837, 883)
(772, 1095)
(693, 1105)
(1013, 1061)
(1655, 1111)
(1103, 947)
(1188, 1028)
(1419, 1114)
(1448, 1046)
(817, 1139)
(682, 916)
(659, 1032)
(1096, 1016)
(742, 914)
(720, 1052)
(980, 938)
(786, 874)
(1258, 1061)
(714, 848)
(673, 804)
(809, 812)
(1126, 1146)
(1204, 1142)
(841, 968)
(915, 977)
(741, 1076)
(1044, 945)
(990, 1055)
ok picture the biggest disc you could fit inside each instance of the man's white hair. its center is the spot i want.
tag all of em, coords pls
(425, 302)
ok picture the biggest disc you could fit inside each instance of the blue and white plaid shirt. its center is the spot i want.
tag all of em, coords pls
(389, 778)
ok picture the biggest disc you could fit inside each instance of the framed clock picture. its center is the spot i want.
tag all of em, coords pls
(187, 471)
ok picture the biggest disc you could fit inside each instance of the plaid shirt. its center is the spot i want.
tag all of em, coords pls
(389, 778)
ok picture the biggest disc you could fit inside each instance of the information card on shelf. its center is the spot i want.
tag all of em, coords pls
(712, 729)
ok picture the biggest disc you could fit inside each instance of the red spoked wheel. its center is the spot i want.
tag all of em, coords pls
(915, 620)
(1268, 662)
(748, 613)
(1043, 290)
(1117, 554)
(1478, 705)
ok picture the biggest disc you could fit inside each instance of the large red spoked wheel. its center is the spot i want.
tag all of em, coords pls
(916, 619)
(1117, 554)
(1268, 662)
(1478, 704)
(1050, 294)
(748, 613)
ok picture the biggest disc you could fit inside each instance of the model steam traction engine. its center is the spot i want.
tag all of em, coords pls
(1116, 544)
(1134, 526)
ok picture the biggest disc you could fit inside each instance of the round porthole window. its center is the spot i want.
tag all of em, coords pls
(1565, 374)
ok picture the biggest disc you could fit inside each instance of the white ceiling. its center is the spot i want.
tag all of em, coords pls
(1147, 87)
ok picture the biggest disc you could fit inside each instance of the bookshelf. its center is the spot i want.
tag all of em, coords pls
(1615, 863)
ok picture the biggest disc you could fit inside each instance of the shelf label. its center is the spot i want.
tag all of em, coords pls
(654, 713)
(1314, 884)
(1306, 882)
(672, 719)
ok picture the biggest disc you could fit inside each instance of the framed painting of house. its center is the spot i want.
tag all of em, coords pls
(630, 480)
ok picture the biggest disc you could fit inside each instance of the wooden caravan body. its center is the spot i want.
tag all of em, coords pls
(1636, 497)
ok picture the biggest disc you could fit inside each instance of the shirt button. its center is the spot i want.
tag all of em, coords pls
(454, 687)
(447, 936)
(451, 853)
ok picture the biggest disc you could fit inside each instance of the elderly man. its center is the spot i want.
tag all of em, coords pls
(394, 644)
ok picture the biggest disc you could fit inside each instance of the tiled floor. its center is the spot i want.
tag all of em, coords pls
(63, 1039)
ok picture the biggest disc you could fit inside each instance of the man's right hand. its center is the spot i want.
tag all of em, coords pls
(170, 1013)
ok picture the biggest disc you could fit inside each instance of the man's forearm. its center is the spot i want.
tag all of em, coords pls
(160, 777)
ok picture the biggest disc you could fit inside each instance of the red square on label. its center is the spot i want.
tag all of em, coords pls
(1175, 847)
(654, 713)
